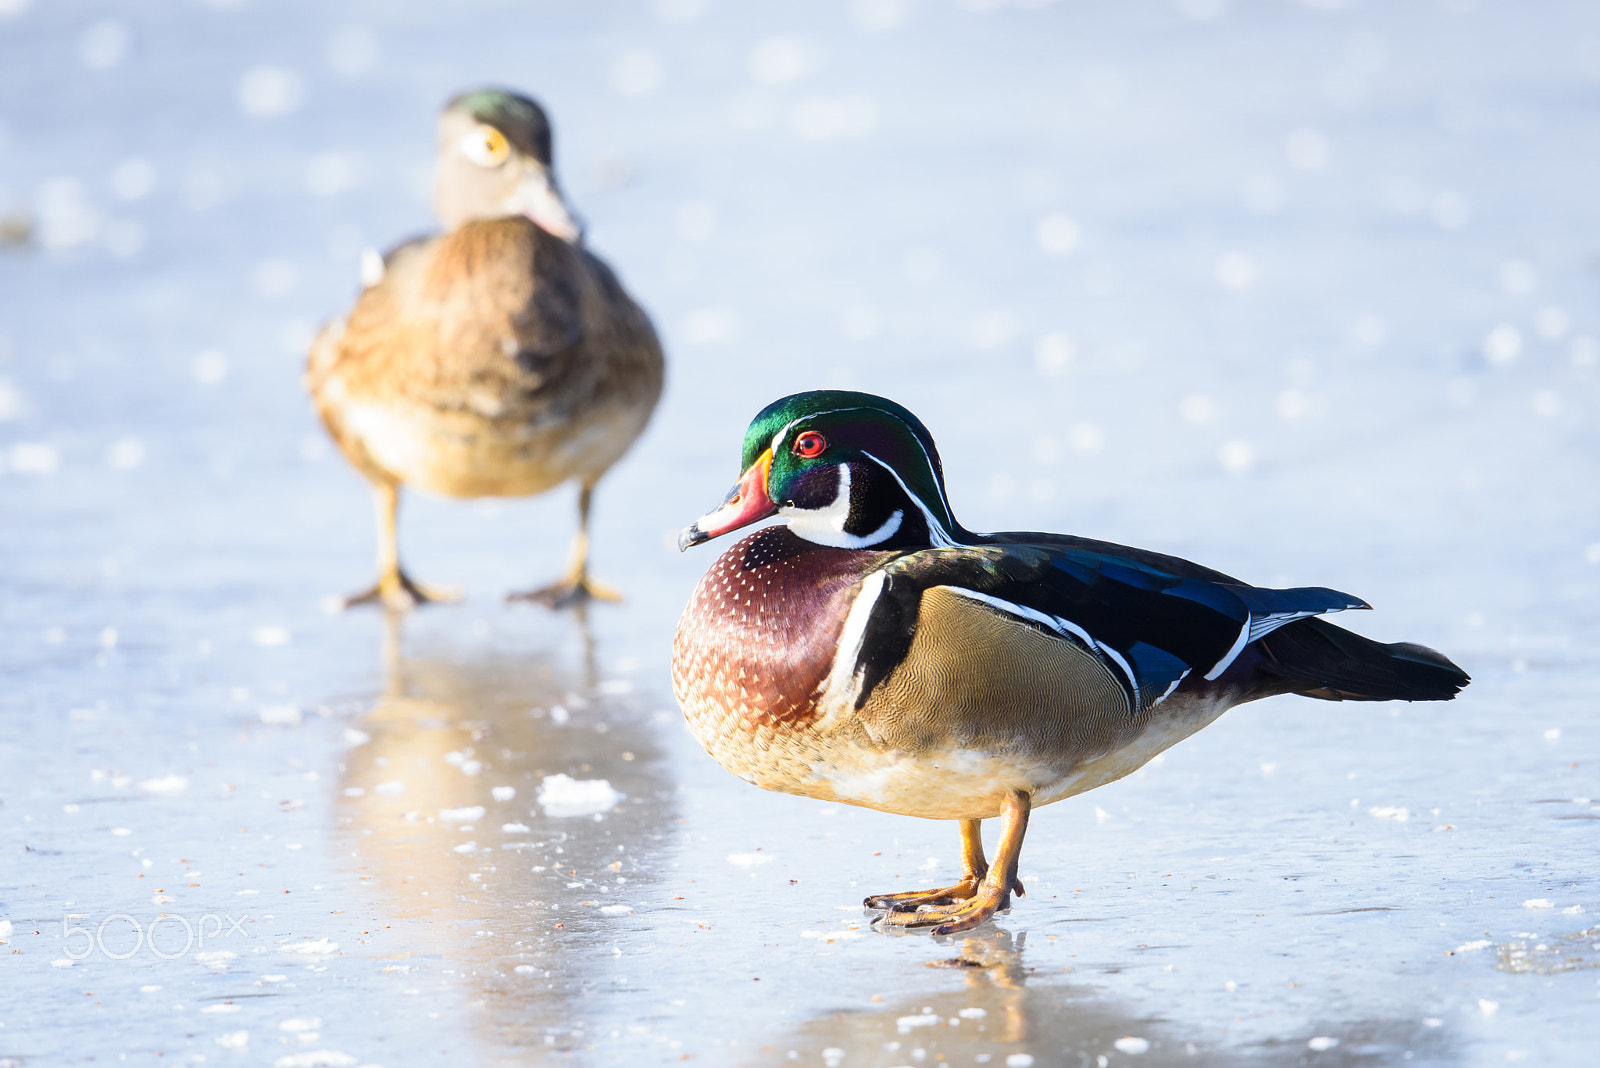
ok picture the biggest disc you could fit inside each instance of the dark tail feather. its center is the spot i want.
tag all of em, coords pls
(1335, 664)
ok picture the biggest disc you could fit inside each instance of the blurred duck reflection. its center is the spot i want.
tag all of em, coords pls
(510, 809)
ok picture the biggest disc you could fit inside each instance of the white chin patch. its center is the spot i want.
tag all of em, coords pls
(825, 526)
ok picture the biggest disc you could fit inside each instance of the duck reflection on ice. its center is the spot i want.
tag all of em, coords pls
(510, 809)
(997, 1018)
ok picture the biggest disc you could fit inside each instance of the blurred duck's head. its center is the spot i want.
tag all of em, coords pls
(495, 160)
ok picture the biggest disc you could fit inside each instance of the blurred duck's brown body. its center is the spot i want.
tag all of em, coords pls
(500, 358)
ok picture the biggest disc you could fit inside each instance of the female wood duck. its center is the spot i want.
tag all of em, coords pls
(873, 651)
(500, 358)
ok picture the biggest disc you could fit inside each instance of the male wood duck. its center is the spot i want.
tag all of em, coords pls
(874, 652)
(500, 358)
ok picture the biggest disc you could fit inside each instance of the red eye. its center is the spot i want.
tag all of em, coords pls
(809, 444)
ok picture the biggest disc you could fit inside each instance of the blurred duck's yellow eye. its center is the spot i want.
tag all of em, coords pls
(486, 147)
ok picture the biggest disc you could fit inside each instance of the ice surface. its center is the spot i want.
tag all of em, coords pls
(1303, 291)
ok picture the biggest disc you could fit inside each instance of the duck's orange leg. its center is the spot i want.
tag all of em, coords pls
(394, 590)
(984, 889)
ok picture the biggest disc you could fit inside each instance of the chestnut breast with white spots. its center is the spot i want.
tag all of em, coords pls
(758, 638)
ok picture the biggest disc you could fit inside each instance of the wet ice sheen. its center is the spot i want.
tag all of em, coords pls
(1300, 293)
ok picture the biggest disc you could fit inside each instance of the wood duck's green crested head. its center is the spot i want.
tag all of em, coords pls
(495, 159)
(849, 470)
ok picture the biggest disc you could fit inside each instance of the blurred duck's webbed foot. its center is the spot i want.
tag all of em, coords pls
(574, 589)
(397, 592)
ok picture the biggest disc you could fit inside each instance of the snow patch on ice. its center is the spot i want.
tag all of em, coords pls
(564, 796)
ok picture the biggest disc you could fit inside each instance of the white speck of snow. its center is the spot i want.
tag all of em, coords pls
(832, 1056)
(104, 44)
(1572, 910)
(824, 118)
(465, 814)
(1487, 1007)
(221, 1010)
(973, 1013)
(1321, 1043)
(1024, 1060)
(466, 847)
(318, 1058)
(704, 326)
(1389, 812)
(352, 736)
(302, 1023)
(1086, 439)
(636, 72)
(330, 173)
(1264, 194)
(1132, 1044)
(270, 91)
(615, 910)
(562, 795)
(1235, 271)
(355, 791)
(216, 960)
(906, 1023)
(63, 962)
(1518, 278)
(1473, 947)
(1551, 323)
(776, 60)
(162, 899)
(34, 458)
(679, 10)
(514, 828)
(268, 637)
(931, 864)
(748, 860)
(11, 403)
(108, 640)
(1230, 986)
(121, 832)
(1552, 734)
(209, 368)
(167, 784)
(274, 278)
(524, 969)
(1502, 345)
(125, 454)
(5, 930)
(1307, 150)
(1236, 457)
(1058, 234)
(234, 1039)
(1432, 1021)
(280, 715)
(320, 948)
(1538, 903)
(1053, 352)
(503, 793)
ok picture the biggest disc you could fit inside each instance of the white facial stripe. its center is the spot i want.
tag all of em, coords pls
(777, 446)
(936, 532)
(825, 526)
